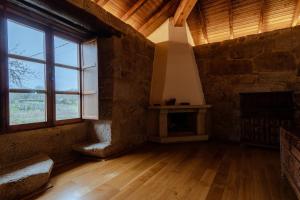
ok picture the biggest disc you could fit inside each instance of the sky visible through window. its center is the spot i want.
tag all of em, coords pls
(29, 42)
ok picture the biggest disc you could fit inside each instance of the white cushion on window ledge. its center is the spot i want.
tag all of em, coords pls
(24, 177)
(100, 149)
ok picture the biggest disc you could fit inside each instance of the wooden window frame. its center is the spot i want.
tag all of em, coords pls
(50, 92)
(78, 68)
(22, 91)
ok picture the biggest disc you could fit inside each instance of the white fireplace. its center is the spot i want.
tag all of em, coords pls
(176, 76)
(161, 120)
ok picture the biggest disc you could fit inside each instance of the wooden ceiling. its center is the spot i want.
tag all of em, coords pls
(209, 20)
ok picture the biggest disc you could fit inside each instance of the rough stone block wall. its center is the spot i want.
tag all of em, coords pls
(132, 71)
(125, 80)
(125, 74)
(257, 63)
(56, 142)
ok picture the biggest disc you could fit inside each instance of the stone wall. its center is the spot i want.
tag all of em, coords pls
(264, 62)
(125, 79)
(125, 74)
(56, 142)
(131, 93)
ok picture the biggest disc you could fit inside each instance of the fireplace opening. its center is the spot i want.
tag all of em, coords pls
(262, 115)
(182, 124)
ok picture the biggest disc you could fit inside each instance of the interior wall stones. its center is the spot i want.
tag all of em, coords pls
(132, 84)
(257, 63)
(125, 82)
(126, 63)
(56, 142)
(125, 74)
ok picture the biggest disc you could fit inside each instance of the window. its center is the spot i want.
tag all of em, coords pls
(26, 74)
(67, 79)
(42, 80)
(31, 75)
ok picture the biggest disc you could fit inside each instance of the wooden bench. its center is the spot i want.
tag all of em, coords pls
(25, 177)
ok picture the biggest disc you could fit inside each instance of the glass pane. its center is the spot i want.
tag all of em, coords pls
(66, 79)
(25, 41)
(67, 106)
(26, 108)
(66, 52)
(26, 75)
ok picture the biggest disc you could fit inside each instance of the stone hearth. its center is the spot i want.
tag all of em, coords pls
(202, 123)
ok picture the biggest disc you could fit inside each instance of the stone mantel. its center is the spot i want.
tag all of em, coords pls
(202, 122)
(176, 107)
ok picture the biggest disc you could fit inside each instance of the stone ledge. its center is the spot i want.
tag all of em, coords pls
(24, 177)
(100, 149)
(191, 138)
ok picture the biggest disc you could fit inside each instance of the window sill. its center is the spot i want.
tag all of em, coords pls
(36, 126)
(26, 127)
(68, 121)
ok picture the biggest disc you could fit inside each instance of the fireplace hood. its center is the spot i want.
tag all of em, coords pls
(175, 71)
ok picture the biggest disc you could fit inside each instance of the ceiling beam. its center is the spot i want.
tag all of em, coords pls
(183, 11)
(102, 2)
(133, 9)
(203, 23)
(296, 14)
(230, 12)
(162, 11)
(261, 17)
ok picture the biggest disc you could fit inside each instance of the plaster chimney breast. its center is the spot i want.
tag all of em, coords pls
(175, 71)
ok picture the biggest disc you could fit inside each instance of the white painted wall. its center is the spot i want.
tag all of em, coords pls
(164, 33)
(182, 77)
(175, 72)
(161, 34)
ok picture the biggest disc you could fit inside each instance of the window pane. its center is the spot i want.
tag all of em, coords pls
(66, 79)
(66, 52)
(26, 75)
(67, 106)
(26, 108)
(25, 41)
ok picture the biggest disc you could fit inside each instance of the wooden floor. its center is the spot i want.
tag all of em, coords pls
(208, 171)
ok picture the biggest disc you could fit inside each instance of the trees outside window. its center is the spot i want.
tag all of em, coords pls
(31, 72)
(26, 74)
(67, 79)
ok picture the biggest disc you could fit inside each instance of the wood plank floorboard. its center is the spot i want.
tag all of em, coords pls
(200, 171)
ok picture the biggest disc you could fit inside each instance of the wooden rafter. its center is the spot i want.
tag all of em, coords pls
(296, 14)
(161, 11)
(133, 9)
(230, 12)
(261, 17)
(183, 11)
(102, 2)
(203, 23)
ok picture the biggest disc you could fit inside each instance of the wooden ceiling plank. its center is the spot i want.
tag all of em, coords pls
(296, 14)
(203, 23)
(183, 11)
(102, 2)
(158, 22)
(156, 15)
(261, 16)
(133, 9)
(230, 12)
